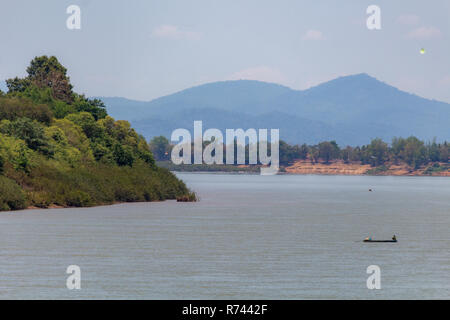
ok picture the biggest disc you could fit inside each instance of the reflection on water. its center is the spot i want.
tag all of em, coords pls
(250, 237)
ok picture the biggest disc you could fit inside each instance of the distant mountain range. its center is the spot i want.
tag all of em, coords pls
(351, 110)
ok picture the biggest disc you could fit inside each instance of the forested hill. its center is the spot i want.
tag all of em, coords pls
(351, 110)
(59, 148)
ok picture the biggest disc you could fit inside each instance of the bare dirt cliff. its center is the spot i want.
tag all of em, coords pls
(341, 168)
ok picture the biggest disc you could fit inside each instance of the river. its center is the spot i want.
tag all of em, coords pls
(249, 237)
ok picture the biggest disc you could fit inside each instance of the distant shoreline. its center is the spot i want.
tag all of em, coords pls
(55, 206)
(337, 168)
(308, 174)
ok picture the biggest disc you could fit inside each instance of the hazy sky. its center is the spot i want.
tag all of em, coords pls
(143, 49)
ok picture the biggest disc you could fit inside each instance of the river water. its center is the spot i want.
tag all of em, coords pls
(249, 237)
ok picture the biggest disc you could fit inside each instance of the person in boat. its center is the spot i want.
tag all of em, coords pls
(394, 238)
(368, 239)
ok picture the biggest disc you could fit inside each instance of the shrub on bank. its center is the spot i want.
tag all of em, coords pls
(11, 195)
(97, 184)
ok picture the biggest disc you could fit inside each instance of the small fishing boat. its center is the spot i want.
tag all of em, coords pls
(367, 240)
(394, 239)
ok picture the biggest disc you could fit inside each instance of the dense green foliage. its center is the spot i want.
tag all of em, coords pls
(411, 151)
(11, 195)
(60, 148)
(161, 148)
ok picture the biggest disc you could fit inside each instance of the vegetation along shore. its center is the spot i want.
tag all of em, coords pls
(59, 148)
(408, 157)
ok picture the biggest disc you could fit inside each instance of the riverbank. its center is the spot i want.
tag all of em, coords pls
(339, 167)
(336, 167)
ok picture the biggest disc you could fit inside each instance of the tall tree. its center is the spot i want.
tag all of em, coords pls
(160, 147)
(377, 152)
(328, 151)
(414, 152)
(48, 72)
(45, 72)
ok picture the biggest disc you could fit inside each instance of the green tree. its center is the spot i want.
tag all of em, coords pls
(444, 152)
(32, 132)
(377, 152)
(87, 122)
(47, 72)
(123, 155)
(160, 147)
(434, 151)
(12, 108)
(143, 150)
(328, 151)
(76, 138)
(102, 153)
(303, 152)
(289, 153)
(17, 85)
(96, 107)
(21, 158)
(414, 152)
(356, 154)
(12, 196)
(397, 149)
(314, 154)
(347, 154)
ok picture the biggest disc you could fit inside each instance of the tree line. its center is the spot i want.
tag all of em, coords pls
(411, 151)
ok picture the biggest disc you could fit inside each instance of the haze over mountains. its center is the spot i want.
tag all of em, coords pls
(351, 110)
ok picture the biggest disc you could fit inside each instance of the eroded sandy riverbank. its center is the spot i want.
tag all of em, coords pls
(342, 168)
